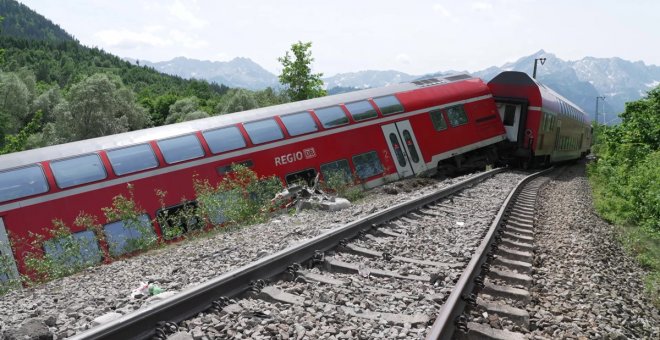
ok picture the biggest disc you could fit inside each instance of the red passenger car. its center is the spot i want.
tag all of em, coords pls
(377, 134)
(542, 126)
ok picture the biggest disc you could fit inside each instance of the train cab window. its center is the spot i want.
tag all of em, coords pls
(367, 165)
(77, 249)
(132, 159)
(126, 236)
(438, 120)
(224, 139)
(79, 170)
(299, 123)
(263, 131)
(457, 115)
(305, 177)
(361, 110)
(388, 105)
(22, 182)
(179, 149)
(335, 169)
(332, 116)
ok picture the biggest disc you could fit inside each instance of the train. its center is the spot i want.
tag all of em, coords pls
(435, 125)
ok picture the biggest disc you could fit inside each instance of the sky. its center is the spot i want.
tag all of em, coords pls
(413, 36)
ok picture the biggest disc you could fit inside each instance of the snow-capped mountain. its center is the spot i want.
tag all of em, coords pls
(580, 81)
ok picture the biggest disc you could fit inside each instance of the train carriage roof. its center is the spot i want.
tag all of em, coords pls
(550, 98)
(17, 159)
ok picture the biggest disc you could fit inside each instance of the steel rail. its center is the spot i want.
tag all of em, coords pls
(142, 323)
(445, 323)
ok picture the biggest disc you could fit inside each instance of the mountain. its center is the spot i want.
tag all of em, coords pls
(22, 22)
(239, 72)
(366, 79)
(581, 81)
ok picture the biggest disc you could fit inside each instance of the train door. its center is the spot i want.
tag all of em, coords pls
(8, 269)
(404, 148)
(510, 114)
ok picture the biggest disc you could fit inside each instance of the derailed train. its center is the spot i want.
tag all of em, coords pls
(439, 124)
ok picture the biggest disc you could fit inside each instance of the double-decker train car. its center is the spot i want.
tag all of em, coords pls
(542, 126)
(376, 134)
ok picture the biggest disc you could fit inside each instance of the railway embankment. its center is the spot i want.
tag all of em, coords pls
(584, 284)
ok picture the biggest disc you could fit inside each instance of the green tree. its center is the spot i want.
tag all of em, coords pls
(181, 109)
(15, 102)
(297, 74)
(99, 105)
(241, 100)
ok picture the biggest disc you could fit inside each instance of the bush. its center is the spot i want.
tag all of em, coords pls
(242, 197)
(343, 185)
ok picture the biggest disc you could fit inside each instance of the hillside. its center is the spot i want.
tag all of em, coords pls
(22, 22)
(55, 90)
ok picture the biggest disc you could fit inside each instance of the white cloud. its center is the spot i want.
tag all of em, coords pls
(442, 10)
(124, 38)
(183, 12)
(482, 6)
(187, 40)
(403, 58)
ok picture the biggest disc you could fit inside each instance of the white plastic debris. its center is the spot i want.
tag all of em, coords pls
(460, 224)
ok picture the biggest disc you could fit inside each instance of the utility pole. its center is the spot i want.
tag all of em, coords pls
(597, 99)
(542, 60)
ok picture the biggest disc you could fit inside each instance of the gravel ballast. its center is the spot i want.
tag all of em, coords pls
(70, 305)
(586, 287)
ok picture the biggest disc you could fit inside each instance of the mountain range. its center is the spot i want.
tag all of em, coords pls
(580, 81)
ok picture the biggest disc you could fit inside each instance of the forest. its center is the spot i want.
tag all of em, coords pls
(54, 90)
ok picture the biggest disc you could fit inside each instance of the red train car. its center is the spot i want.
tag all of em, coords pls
(377, 134)
(542, 126)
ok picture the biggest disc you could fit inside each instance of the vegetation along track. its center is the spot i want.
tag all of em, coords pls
(385, 275)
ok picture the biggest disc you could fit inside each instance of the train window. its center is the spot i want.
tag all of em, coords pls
(263, 131)
(438, 120)
(224, 139)
(77, 249)
(305, 177)
(299, 123)
(127, 236)
(176, 220)
(412, 151)
(225, 169)
(388, 105)
(457, 115)
(18, 183)
(331, 116)
(367, 165)
(337, 170)
(179, 149)
(132, 159)
(394, 140)
(361, 110)
(78, 170)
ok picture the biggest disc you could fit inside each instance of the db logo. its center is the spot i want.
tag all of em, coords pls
(309, 153)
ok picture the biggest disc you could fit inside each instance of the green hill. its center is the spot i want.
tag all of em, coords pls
(22, 22)
(49, 82)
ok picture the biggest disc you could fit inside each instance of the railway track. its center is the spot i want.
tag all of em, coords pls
(397, 268)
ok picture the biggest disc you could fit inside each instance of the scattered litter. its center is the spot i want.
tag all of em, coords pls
(146, 289)
(460, 224)
(485, 314)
